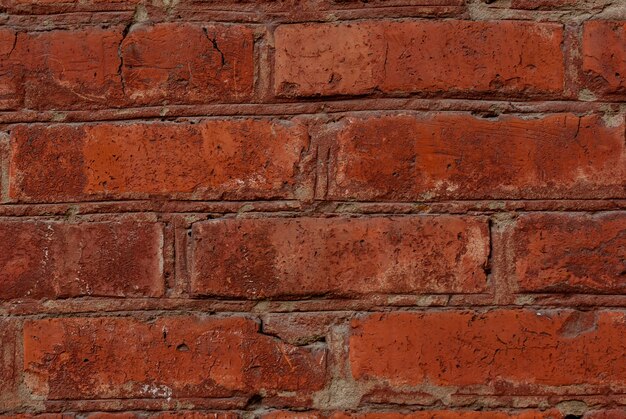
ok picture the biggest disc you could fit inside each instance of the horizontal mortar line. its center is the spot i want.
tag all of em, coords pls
(166, 201)
(291, 109)
(231, 399)
(364, 407)
(149, 201)
(258, 12)
(252, 312)
(268, 17)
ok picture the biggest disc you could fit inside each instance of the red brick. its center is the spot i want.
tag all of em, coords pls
(181, 414)
(187, 63)
(570, 253)
(39, 416)
(433, 414)
(167, 358)
(388, 3)
(455, 156)
(293, 415)
(50, 259)
(213, 159)
(11, 79)
(67, 69)
(606, 414)
(65, 6)
(515, 350)
(99, 68)
(449, 57)
(195, 415)
(9, 368)
(604, 57)
(452, 414)
(271, 257)
(550, 4)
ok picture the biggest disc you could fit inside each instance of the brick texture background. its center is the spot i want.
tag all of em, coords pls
(310, 209)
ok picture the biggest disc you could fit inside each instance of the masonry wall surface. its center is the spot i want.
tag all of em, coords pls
(307, 209)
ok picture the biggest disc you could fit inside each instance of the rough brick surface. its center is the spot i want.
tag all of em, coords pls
(94, 68)
(408, 158)
(520, 349)
(61, 69)
(257, 258)
(234, 159)
(568, 253)
(451, 57)
(312, 209)
(217, 63)
(189, 356)
(433, 414)
(54, 259)
(604, 59)
(9, 348)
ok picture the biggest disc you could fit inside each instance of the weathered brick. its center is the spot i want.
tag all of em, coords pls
(570, 253)
(604, 57)
(455, 156)
(11, 80)
(227, 159)
(271, 257)
(388, 3)
(188, 63)
(168, 358)
(68, 69)
(52, 259)
(196, 415)
(153, 65)
(606, 414)
(181, 414)
(448, 57)
(551, 4)
(38, 416)
(9, 368)
(65, 6)
(515, 350)
(452, 414)
(432, 414)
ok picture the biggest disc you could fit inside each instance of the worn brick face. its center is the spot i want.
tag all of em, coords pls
(54, 259)
(180, 356)
(451, 57)
(272, 257)
(521, 348)
(9, 368)
(604, 59)
(228, 159)
(410, 158)
(216, 64)
(433, 414)
(568, 253)
(64, 69)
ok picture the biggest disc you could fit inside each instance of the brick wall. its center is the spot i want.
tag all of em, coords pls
(307, 209)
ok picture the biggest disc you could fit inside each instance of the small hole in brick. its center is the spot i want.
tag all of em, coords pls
(182, 347)
(570, 416)
(85, 360)
(255, 401)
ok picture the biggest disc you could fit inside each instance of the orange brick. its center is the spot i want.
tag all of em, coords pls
(223, 159)
(271, 257)
(170, 357)
(454, 156)
(449, 57)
